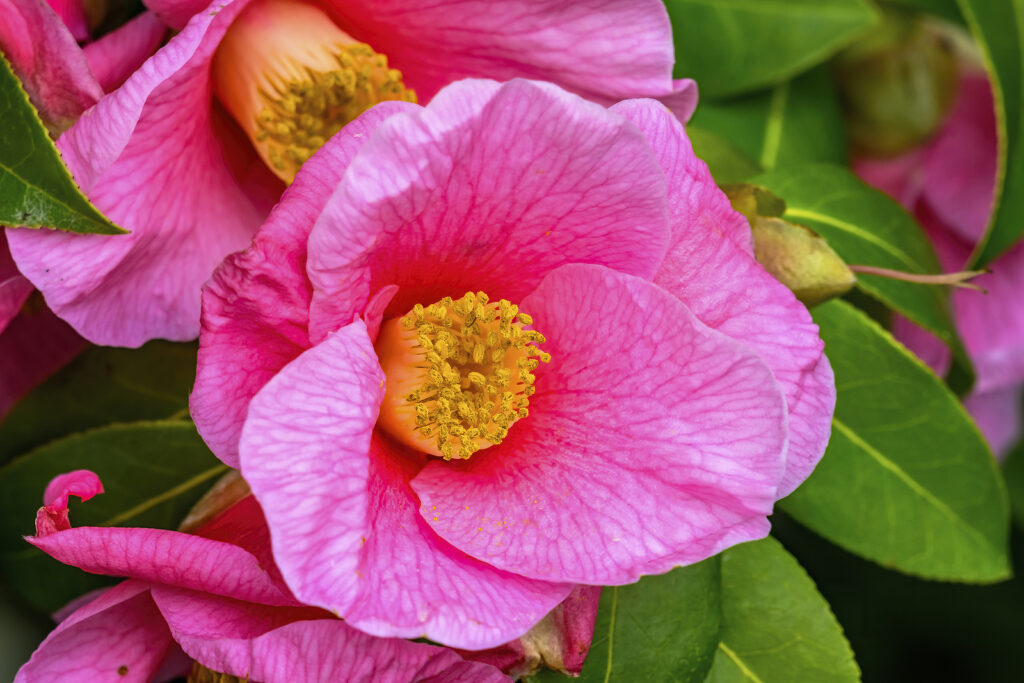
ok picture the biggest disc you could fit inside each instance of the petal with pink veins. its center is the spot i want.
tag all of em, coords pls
(487, 189)
(118, 638)
(345, 525)
(139, 156)
(256, 306)
(710, 267)
(653, 441)
(274, 645)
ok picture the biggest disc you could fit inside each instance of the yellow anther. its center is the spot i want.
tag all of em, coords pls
(459, 374)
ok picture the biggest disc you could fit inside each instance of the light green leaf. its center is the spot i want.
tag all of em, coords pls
(36, 189)
(102, 385)
(907, 480)
(727, 163)
(153, 472)
(776, 627)
(866, 227)
(795, 122)
(998, 27)
(664, 628)
(735, 46)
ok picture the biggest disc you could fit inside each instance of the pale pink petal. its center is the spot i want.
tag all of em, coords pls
(14, 288)
(652, 441)
(275, 645)
(256, 306)
(710, 267)
(998, 414)
(683, 100)
(344, 523)
(488, 188)
(116, 55)
(142, 156)
(34, 346)
(605, 50)
(119, 637)
(960, 164)
(46, 58)
(163, 556)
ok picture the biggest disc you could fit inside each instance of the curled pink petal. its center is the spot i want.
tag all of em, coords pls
(53, 516)
(575, 492)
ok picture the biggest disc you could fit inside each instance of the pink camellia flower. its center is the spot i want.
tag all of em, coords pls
(215, 595)
(191, 153)
(949, 185)
(500, 346)
(61, 78)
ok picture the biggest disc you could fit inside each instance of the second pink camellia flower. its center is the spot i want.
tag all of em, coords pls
(491, 348)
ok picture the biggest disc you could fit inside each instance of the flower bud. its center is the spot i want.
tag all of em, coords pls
(897, 85)
(800, 259)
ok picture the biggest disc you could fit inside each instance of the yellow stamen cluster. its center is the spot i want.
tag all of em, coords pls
(300, 115)
(472, 369)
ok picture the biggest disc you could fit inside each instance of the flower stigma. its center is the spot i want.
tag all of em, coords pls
(292, 79)
(459, 374)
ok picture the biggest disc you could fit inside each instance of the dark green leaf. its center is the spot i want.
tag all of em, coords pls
(795, 122)
(998, 26)
(36, 189)
(1013, 472)
(153, 472)
(866, 227)
(728, 164)
(946, 9)
(735, 46)
(907, 480)
(101, 386)
(664, 628)
(776, 627)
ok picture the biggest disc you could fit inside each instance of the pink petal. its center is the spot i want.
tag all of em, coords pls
(652, 441)
(116, 55)
(488, 188)
(274, 645)
(710, 267)
(923, 344)
(176, 13)
(163, 556)
(72, 13)
(119, 637)
(48, 61)
(34, 346)
(256, 306)
(148, 157)
(53, 516)
(998, 415)
(14, 288)
(605, 50)
(960, 164)
(344, 522)
(902, 177)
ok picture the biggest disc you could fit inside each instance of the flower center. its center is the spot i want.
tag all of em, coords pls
(459, 374)
(292, 79)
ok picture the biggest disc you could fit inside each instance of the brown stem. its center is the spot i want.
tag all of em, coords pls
(961, 279)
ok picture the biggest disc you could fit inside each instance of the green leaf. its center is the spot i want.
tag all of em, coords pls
(907, 479)
(795, 122)
(727, 163)
(102, 385)
(776, 627)
(946, 9)
(998, 27)
(866, 227)
(153, 473)
(663, 628)
(735, 46)
(36, 189)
